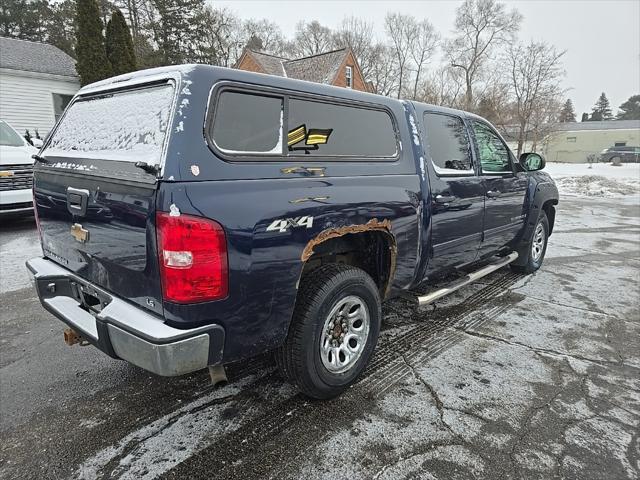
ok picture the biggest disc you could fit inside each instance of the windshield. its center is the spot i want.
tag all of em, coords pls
(9, 137)
(127, 126)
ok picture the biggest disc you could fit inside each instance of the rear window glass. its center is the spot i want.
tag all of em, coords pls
(448, 144)
(126, 126)
(325, 129)
(246, 123)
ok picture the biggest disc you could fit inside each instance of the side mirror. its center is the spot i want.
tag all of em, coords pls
(37, 142)
(532, 162)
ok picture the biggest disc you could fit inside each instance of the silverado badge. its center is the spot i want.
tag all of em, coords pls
(79, 233)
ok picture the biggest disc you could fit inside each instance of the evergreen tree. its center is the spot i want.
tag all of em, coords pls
(120, 45)
(176, 29)
(61, 26)
(567, 114)
(630, 109)
(92, 64)
(585, 117)
(602, 109)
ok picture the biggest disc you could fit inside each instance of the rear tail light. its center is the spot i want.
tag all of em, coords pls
(193, 258)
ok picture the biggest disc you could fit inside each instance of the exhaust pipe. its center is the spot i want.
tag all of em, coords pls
(71, 337)
(218, 375)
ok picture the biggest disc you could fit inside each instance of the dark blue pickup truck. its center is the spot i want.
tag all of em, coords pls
(194, 216)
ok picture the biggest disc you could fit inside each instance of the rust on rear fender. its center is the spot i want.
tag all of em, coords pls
(372, 225)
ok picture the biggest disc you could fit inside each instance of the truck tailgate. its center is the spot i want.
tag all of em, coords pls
(101, 230)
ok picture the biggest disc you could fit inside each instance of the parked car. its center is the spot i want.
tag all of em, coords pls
(622, 154)
(16, 172)
(281, 225)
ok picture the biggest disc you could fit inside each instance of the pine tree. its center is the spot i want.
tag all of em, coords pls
(630, 109)
(602, 109)
(120, 45)
(176, 29)
(92, 64)
(585, 117)
(567, 114)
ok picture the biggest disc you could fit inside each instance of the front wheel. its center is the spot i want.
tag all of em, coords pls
(334, 330)
(537, 247)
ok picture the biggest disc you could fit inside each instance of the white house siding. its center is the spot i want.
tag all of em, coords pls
(26, 98)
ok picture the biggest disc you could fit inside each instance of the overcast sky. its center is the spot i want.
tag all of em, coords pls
(602, 37)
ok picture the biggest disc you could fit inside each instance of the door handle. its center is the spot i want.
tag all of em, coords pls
(445, 198)
(493, 194)
(317, 171)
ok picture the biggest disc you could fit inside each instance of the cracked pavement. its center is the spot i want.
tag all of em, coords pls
(512, 377)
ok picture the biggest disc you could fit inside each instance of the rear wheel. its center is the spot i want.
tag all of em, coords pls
(537, 247)
(334, 330)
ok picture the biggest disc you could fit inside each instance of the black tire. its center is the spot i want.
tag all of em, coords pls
(532, 264)
(299, 359)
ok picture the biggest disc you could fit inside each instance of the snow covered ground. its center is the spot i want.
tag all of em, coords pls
(601, 180)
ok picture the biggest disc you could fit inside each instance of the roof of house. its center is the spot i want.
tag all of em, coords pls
(35, 57)
(272, 64)
(605, 125)
(320, 68)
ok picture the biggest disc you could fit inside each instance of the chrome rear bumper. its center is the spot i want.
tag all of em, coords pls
(123, 330)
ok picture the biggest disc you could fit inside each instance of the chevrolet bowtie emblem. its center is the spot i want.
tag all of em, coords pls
(6, 173)
(79, 233)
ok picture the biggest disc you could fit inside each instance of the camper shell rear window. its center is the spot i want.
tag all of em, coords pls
(128, 126)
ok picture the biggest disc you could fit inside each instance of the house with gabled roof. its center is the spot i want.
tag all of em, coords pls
(338, 67)
(37, 81)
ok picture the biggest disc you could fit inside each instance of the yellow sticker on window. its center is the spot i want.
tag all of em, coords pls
(318, 136)
(296, 135)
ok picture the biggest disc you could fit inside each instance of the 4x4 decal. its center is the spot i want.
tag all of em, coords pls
(282, 225)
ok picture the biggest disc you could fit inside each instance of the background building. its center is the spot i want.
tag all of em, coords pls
(338, 67)
(37, 81)
(574, 142)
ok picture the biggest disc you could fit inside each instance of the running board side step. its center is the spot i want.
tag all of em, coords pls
(461, 282)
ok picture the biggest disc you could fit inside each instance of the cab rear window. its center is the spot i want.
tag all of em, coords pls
(125, 126)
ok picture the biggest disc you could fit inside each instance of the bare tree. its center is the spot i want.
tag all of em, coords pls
(481, 25)
(400, 29)
(357, 34)
(269, 34)
(424, 42)
(310, 39)
(444, 86)
(535, 73)
(384, 74)
(544, 120)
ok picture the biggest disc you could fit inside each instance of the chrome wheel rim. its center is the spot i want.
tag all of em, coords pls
(537, 246)
(344, 334)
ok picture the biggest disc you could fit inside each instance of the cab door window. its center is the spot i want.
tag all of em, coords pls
(448, 144)
(493, 153)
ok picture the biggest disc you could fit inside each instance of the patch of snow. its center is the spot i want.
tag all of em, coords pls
(596, 180)
(174, 211)
(183, 105)
(14, 253)
(124, 126)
